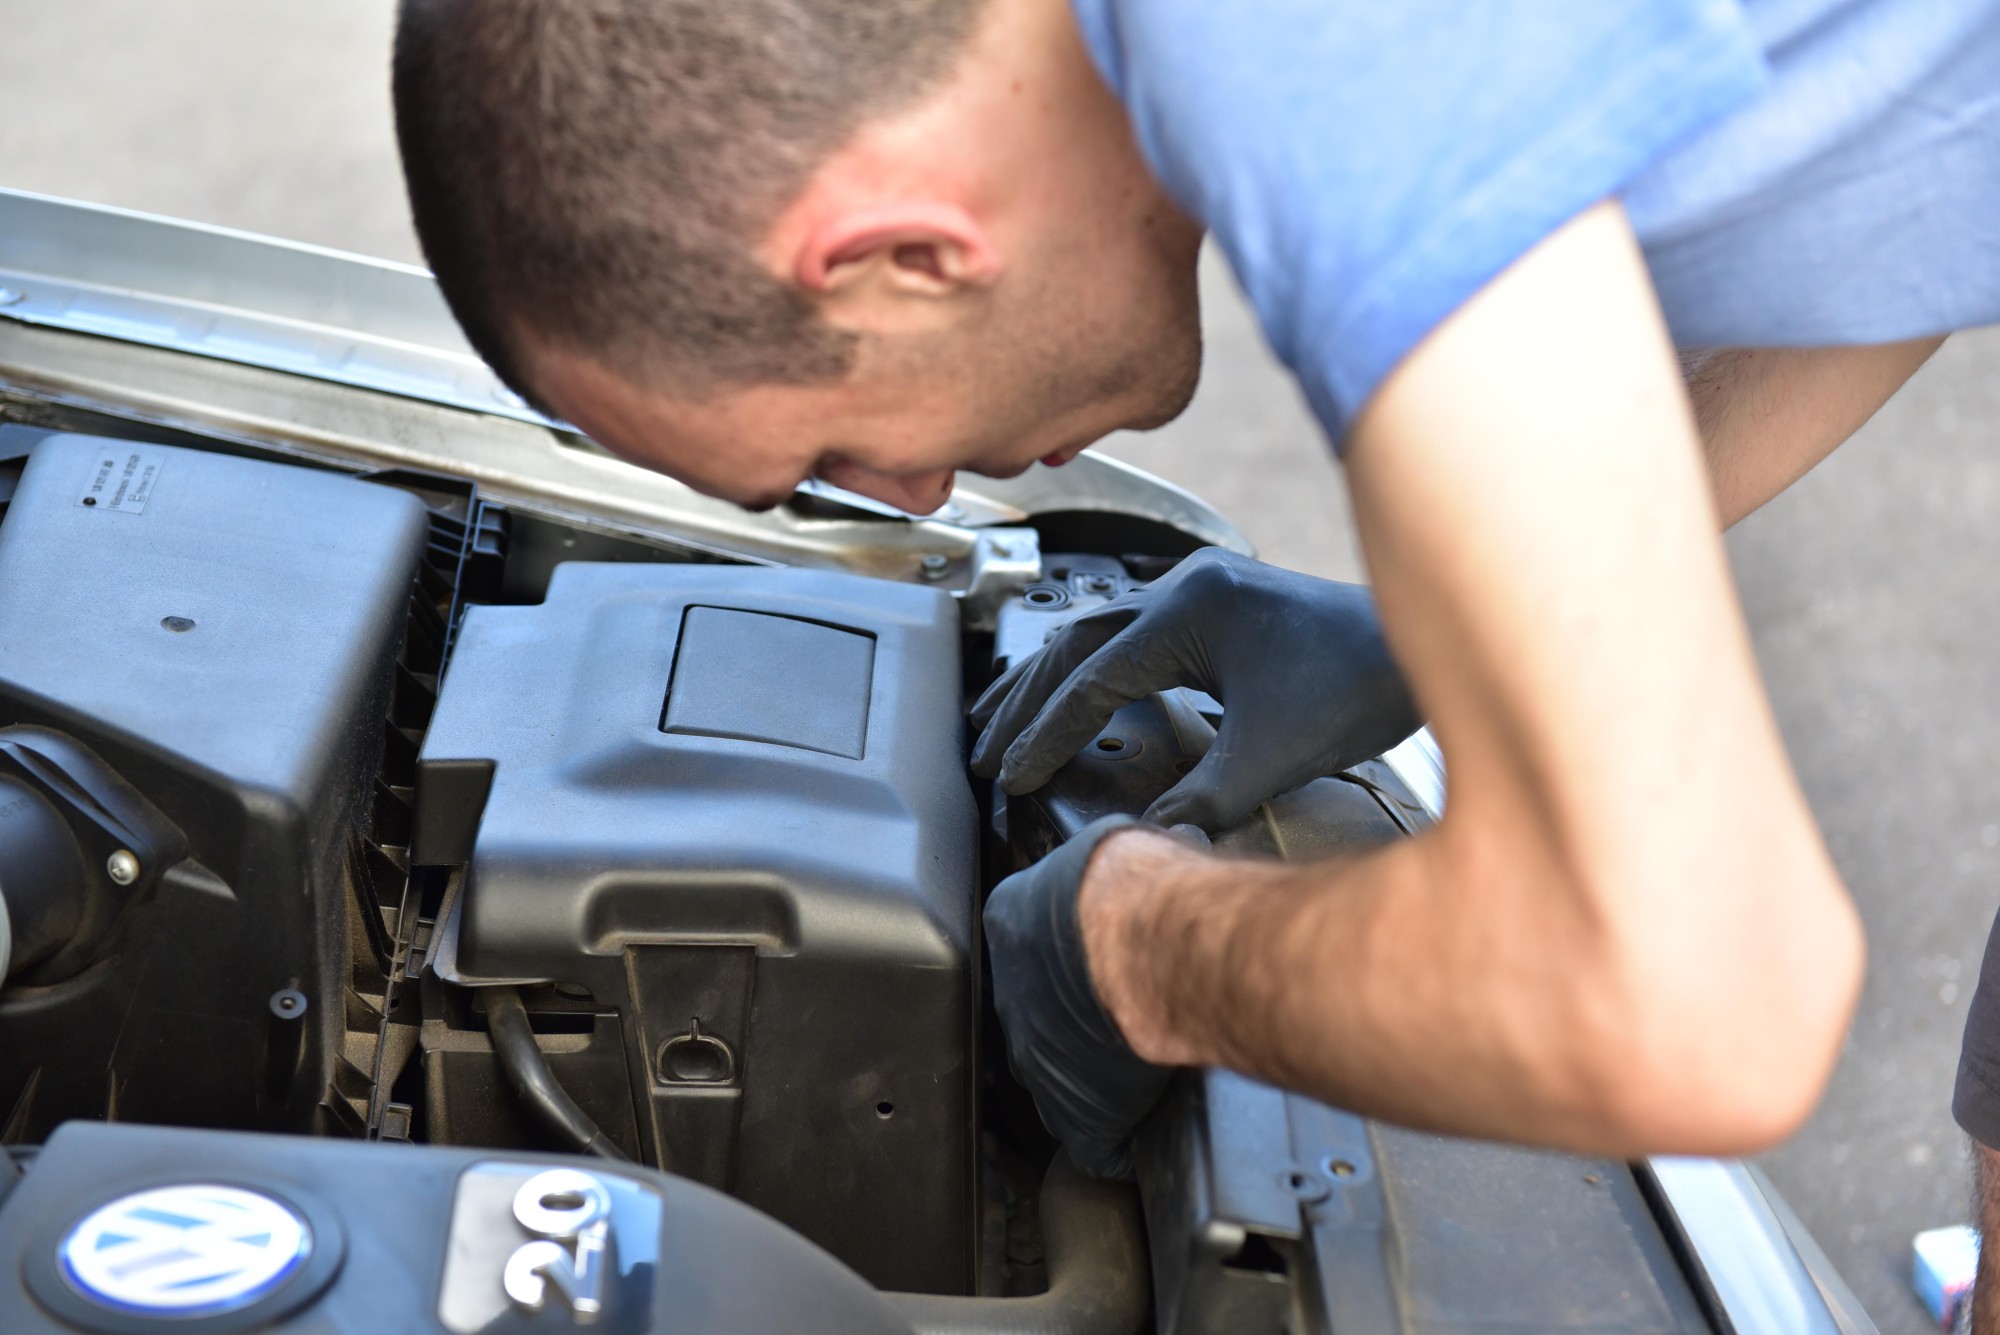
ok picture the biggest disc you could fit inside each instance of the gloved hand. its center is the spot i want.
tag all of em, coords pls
(1299, 665)
(1089, 1085)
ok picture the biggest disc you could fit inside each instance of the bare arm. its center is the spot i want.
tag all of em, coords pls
(1986, 1285)
(1768, 415)
(1625, 935)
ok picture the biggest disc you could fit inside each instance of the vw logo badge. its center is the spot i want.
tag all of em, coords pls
(184, 1251)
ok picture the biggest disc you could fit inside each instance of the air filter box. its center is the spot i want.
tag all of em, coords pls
(219, 634)
(731, 802)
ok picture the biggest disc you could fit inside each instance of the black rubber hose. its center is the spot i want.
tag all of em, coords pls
(1095, 1243)
(42, 885)
(528, 1072)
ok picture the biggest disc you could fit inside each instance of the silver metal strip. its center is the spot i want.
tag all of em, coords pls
(563, 475)
(1746, 1252)
(1420, 765)
(231, 295)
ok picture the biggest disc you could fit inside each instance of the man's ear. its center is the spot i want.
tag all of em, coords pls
(916, 249)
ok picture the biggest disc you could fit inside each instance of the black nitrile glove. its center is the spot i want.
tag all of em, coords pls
(1089, 1085)
(1299, 665)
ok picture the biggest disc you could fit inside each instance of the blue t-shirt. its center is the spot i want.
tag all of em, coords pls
(1800, 172)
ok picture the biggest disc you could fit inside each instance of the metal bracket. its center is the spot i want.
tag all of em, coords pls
(1004, 562)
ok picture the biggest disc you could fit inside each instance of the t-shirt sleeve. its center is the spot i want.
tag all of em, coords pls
(1367, 167)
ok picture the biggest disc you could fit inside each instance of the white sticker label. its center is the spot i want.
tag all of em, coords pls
(124, 478)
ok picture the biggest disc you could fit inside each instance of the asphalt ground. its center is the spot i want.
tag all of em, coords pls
(1870, 586)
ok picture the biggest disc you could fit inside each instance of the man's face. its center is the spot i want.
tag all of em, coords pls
(1092, 334)
(1017, 283)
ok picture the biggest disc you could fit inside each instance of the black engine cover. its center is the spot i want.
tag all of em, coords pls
(408, 1241)
(731, 802)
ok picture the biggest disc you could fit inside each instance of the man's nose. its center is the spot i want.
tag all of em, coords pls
(918, 493)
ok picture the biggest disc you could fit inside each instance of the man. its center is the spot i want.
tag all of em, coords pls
(747, 242)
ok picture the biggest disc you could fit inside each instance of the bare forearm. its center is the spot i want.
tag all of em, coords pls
(1986, 1288)
(1403, 984)
(1768, 415)
(1307, 976)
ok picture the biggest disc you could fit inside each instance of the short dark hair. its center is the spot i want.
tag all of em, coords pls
(598, 169)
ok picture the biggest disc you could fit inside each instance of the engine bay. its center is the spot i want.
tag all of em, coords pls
(357, 808)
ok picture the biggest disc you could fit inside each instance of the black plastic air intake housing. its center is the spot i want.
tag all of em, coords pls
(731, 802)
(204, 643)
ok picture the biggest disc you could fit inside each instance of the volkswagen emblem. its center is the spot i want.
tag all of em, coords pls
(192, 1250)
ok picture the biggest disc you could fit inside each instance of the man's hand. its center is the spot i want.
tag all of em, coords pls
(1299, 664)
(1086, 1081)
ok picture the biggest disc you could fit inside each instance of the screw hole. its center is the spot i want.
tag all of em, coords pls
(1045, 596)
(1340, 1168)
(178, 625)
(885, 1110)
(1185, 766)
(562, 1202)
(1110, 744)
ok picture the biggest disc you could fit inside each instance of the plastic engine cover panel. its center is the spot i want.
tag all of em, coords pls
(735, 798)
(220, 631)
(403, 1240)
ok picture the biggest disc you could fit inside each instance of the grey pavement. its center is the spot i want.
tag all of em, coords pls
(1870, 586)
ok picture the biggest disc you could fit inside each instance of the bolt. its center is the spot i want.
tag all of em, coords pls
(935, 566)
(10, 296)
(122, 867)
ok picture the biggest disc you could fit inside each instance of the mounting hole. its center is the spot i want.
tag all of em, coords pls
(563, 1201)
(1111, 744)
(1309, 1187)
(178, 625)
(885, 1110)
(1047, 597)
(1185, 766)
(1340, 1168)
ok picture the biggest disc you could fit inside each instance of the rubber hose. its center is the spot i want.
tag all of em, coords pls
(1098, 1277)
(528, 1072)
(42, 885)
